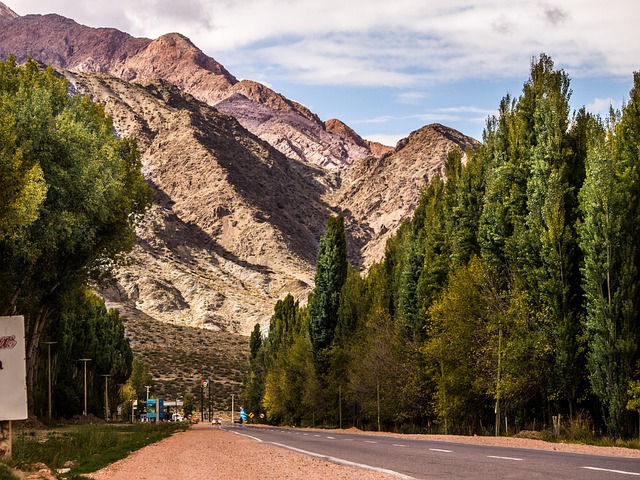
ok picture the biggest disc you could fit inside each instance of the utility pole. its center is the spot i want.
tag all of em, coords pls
(340, 403)
(498, 384)
(378, 392)
(48, 344)
(85, 360)
(233, 397)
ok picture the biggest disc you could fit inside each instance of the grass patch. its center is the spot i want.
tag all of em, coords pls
(5, 473)
(89, 447)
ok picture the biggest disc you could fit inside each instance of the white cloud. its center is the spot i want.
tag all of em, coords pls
(411, 97)
(377, 42)
(469, 114)
(386, 138)
(602, 105)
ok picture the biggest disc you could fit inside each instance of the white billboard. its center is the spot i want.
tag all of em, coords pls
(13, 369)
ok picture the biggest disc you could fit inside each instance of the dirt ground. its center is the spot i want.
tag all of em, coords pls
(207, 452)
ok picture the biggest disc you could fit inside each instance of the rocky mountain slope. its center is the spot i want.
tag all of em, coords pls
(244, 179)
(234, 223)
(287, 125)
(379, 192)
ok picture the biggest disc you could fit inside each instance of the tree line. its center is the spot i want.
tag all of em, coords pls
(508, 300)
(72, 193)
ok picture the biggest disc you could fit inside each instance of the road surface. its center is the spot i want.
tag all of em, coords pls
(427, 459)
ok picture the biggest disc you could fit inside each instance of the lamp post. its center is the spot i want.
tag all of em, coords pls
(147, 387)
(48, 344)
(85, 360)
(106, 396)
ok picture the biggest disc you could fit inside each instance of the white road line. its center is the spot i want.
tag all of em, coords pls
(505, 458)
(332, 438)
(340, 461)
(369, 441)
(440, 450)
(621, 472)
(316, 435)
(398, 445)
(248, 436)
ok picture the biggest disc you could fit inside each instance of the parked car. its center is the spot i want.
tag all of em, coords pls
(216, 421)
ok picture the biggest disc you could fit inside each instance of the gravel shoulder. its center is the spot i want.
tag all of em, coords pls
(207, 452)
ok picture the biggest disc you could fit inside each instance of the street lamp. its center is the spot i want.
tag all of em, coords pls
(85, 360)
(48, 344)
(147, 387)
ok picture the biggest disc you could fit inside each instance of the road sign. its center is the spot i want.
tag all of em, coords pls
(13, 369)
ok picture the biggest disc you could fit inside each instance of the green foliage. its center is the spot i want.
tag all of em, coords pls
(609, 235)
(92, 447)
(331, 274)
(188, 405)
(72, 195)
(459, 348)
(512, 292)
(85, 329)
(255, 341)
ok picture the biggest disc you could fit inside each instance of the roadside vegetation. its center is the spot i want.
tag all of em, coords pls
(82, 449)
(509, 302)
(72, 195)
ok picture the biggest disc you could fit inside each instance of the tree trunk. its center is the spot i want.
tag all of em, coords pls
(32, 345)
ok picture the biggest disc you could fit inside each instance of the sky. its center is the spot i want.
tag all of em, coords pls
(389, 67)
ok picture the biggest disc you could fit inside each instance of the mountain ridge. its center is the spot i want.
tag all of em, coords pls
(64, 43)
(242, 186)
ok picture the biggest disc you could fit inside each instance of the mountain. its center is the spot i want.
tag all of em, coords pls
(244, 179)
(379, 192)
(287, 125)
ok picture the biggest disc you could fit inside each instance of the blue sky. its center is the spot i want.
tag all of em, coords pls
(387, 68)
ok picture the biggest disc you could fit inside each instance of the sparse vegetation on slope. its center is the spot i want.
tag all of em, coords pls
(180, 356)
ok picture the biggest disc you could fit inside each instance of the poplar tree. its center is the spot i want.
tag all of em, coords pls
(331, 274)
(608, 236)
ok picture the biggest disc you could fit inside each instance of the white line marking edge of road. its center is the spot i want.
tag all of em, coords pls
(339, 461)
(346, 463)
(248, 436)
(612, 471)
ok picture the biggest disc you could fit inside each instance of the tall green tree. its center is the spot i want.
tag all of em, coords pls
(609, 233)
(78, 190)
(331, 274)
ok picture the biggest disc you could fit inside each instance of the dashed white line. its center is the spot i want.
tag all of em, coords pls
(440, 450)
(369, 441)
(398, 445)
(331, 438)
(621, 472)
(506, 458)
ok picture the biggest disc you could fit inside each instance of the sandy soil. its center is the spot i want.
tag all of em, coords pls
(207, 452)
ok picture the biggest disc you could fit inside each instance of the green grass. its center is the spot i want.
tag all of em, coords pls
(5, 473)
(91, 447)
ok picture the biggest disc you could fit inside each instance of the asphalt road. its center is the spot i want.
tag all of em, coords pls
(428, 459)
